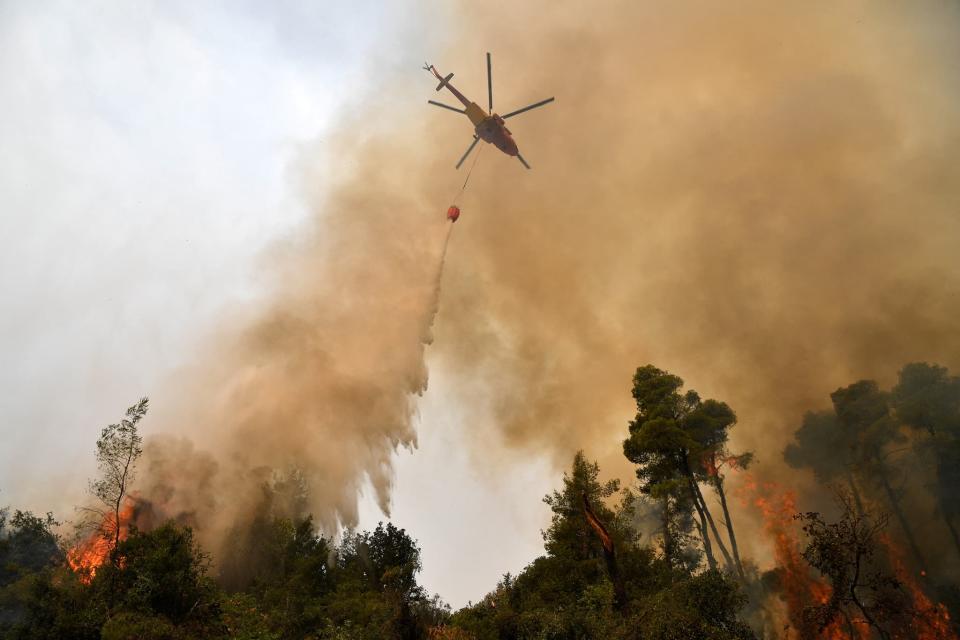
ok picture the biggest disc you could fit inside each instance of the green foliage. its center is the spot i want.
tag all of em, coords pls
(702, 607)
(672, 433)
(29, 550)
(677, 442)
(128, 625)
(864, 411)
(27, 545)
(566, 594)
(157, 586)
(118, 448)
(53, 605)
(927, 399)
(162, 572)
(376, 584)
(298, 584)
(245, 619)
(569, 533)
(822, 445)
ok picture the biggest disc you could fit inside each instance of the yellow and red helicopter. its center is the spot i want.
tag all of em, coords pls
(488, 126)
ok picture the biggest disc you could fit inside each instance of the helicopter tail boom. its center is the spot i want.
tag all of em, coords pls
(444, 81)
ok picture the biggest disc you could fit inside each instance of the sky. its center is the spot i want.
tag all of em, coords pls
(145, 171)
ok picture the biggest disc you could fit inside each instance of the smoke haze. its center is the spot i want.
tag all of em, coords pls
(761, 199)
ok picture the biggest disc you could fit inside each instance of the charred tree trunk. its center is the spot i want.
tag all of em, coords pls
(855, 492)
(726, 517)
(907, 531)
(946, 484)
(609, 555)
(949, 523)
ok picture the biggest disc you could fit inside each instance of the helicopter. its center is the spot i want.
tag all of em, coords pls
(488, 126)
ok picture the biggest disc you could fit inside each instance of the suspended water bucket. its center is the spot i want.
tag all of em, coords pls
(453, 213)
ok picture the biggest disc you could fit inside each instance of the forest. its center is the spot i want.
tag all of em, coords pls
(872, 552)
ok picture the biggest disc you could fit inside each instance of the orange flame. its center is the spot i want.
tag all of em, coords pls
(709, 463)
(800, 587)
(89, 554)
(933, 620)
(713, 461)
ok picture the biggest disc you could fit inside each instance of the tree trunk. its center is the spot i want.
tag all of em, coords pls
(733, 538)
(907, 532)
(713, 526)
(704, 534)
(609, 555)
(704, 511)
(856, 600)
(669, 553)
(949, 523)
(856, 493)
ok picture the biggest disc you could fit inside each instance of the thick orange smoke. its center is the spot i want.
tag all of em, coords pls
(760, 198)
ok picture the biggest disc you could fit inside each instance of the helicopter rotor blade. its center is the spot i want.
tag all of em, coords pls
(446, 106)
(476, 139)
(489, 83)
(520, 158)
(527, 108)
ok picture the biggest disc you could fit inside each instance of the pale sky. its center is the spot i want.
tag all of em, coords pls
(144, 167)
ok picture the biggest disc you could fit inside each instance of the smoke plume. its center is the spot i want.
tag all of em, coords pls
(319, 381)
(761, 198)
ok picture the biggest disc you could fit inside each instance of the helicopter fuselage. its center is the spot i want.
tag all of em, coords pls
(492, 129)
(488, 127)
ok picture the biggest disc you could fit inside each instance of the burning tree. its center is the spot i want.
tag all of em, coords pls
(118, 448)
(844, 552)
(871, 592)
(879, 445)
(863, 409)
(855, 443)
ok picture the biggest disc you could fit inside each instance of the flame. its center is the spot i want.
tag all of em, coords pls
(800, 587)
(712, 461)
(932, 620)
(89, 554)
(709, 462)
